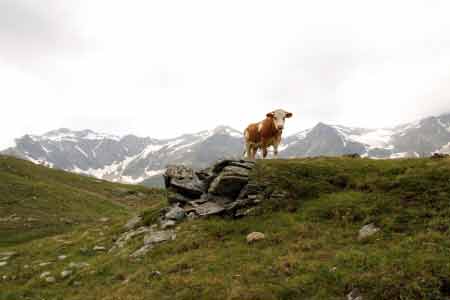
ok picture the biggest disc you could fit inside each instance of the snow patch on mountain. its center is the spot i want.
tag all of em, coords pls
(66, 135)
(81, 151)
(378, 138)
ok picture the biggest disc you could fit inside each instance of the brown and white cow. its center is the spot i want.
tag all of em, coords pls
(266, 133)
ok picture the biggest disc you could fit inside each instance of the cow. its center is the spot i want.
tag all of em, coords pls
(266, 133)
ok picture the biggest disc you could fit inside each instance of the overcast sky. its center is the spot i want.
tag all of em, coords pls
(162, 68)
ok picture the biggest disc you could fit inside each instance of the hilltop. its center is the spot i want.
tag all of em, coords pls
(313, 247)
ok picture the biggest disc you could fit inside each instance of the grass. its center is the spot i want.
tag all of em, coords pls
(46, 202)
(311, 250)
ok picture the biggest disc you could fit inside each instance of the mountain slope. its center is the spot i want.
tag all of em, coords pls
(311, 248)
(36, 201)
(132, 159)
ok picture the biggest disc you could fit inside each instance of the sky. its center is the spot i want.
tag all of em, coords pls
(164, 68)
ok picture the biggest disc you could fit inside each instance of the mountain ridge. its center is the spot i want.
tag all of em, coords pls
(134, 159)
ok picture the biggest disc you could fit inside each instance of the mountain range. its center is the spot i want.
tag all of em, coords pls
(135, 160)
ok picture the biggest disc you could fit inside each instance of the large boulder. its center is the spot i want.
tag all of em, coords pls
(184, 181)
(230, 182)
(223, 188)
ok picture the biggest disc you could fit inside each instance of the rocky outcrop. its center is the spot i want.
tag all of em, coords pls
(224, 189)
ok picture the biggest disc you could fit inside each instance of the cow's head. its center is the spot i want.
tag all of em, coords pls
(279, 117)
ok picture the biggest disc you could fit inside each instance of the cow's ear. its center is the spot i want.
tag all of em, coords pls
(270, 115)
(289, 115)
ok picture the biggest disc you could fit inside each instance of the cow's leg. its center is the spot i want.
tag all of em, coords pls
(264, 151)
(275, 151)
(248, 149)
(254, 150)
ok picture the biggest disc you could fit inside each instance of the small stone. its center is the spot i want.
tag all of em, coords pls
(123, 239)
(99, 248)
(192, 216)
(79, 265)
(367, 231)
(209, 208)
(159, 237)
(133, 223)
(142, 251)
(66, 273)
(3, 263)
(167, 224)
(62, 257)
(44, 264)
(104, 220)
(45, 274)
(255, 236)
(354, 295)
(66, 220)
(175, 213)
(50, 279)
(155, 274)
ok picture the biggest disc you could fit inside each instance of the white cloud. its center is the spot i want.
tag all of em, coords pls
(161, 68)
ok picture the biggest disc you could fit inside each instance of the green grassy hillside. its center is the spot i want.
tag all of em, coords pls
(311, 250)
(36, 201)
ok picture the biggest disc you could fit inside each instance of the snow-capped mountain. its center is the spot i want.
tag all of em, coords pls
(128, 159)
(132, 159)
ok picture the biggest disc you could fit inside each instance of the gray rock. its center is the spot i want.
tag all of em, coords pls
(8, 254)
(192, 216)
(142, 251)
(133, 223)
(190, 188)
(175, 213)
(230, 182)
(367, 231)
(179, 172)
(99, 248)
(255, 236)
(159, 237)
(166, 224)
(62, 257)
(245, 164)
(66, 273)
(104, 220)
(155, 274)
(125, 237)
(175, 198)
(209, 208)
(45, 274)
(78, 265)
(355, 295)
